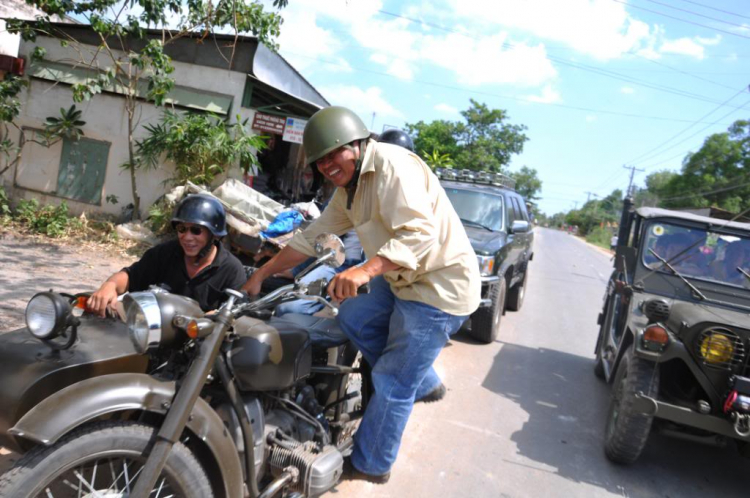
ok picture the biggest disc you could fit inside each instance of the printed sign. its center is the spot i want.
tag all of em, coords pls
(294, 129)
(269, 123)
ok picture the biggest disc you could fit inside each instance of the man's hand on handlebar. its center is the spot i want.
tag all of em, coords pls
(345, 284)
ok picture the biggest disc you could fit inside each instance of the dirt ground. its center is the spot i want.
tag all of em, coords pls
(33, 264)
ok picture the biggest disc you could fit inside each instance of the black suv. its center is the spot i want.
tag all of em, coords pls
(497, 223)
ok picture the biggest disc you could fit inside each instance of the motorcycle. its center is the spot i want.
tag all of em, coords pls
(176, 402)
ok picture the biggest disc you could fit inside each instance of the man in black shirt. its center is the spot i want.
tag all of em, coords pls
(195, 265)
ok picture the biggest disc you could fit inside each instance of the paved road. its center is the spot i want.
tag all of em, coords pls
(524, 417)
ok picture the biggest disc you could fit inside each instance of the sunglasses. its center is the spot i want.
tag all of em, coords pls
(195, 230)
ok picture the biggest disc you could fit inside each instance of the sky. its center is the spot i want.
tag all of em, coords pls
(599, 84)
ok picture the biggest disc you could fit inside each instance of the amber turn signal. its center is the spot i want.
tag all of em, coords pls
(192, 329)
(657, 334)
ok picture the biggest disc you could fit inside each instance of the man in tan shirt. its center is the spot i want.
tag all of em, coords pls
(420, 265)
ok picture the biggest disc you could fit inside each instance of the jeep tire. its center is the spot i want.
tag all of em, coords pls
(485, 322)
(517, 293)
(627, 431)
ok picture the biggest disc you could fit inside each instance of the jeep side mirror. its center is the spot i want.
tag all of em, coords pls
(519, 226)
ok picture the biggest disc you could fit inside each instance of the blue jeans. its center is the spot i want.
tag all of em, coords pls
(304, 306)
(401, 340)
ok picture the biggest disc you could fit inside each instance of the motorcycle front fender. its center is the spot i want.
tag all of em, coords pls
(92, 398)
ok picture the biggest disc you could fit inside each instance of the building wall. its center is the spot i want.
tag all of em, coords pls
(106, 120)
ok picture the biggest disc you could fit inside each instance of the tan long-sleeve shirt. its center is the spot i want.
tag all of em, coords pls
(401, 212)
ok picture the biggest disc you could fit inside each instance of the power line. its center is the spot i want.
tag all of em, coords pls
(490, 94)
(718, 191)
(681, 20)
(576, 65)
(645, 154)
(695, 13)
(716, 9)
(687, 138)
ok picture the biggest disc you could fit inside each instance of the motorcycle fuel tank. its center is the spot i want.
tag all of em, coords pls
(269, 356)
(31, 371)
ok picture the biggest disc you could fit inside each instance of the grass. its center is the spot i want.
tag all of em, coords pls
(599, 236)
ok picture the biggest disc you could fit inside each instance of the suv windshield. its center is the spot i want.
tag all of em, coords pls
(698, 253)
(485, 210)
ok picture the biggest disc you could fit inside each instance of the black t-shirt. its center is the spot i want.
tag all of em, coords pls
(164, 265)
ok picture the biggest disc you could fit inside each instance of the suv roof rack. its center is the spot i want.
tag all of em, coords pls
(469, 176)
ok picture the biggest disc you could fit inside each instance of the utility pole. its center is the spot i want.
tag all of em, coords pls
(575, 205)
(589, 194)
(632, 169)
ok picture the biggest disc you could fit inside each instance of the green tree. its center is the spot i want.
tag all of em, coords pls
(528, 183)
(715, 175)
(200, 146)
(128, 57)
(484, 140)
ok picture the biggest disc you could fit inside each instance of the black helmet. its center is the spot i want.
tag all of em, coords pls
(203, 210)
(397, 137)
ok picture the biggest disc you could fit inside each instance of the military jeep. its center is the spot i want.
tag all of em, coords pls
(675, 331)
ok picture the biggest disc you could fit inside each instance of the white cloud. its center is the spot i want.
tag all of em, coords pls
(303, 41)
(489, 60)
(590, 118)
(599, 28)
(363, 102)
(708, 41)
(379, 58)
(627, 90)
(683, 46)
(548, 96)
(449, 109)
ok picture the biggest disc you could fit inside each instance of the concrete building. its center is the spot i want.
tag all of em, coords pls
(235, 78)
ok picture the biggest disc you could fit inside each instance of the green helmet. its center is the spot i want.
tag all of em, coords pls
(329, 129)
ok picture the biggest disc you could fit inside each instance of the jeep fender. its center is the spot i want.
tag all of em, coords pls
(87, 400)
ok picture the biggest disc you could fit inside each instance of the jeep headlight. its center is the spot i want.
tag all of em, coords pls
(717, 347)
(486, 265)
(144, 320)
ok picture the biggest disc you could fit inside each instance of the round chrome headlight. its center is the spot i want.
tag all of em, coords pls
(47, 315)
(143, 318)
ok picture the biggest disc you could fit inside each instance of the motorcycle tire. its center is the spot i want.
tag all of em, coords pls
(69, 467)
(350, 383)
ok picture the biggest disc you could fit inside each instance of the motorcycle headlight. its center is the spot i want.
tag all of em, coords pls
(486, 265)
(143, 318)
(47, 315)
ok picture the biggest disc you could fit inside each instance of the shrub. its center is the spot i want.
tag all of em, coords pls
(600, 237)
(52, 221)
(5, 212)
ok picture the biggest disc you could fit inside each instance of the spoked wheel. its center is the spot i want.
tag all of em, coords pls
(103, 461)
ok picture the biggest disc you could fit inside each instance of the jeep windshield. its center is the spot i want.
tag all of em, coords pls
(477, 208)
(699, 254)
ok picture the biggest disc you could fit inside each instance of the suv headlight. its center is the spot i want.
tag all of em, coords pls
(486, 265)
(144, 320)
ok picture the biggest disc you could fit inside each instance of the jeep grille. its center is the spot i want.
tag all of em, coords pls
(720, 348)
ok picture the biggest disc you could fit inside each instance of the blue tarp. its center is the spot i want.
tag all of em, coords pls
(283, 223)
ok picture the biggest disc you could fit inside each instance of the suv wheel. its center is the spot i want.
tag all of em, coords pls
(627, 430)
(517, 293)
(485, 322)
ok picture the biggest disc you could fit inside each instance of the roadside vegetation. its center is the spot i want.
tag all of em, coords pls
(716, 176)
(49, 222)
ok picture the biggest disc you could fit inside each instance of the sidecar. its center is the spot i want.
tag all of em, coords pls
(31, 370)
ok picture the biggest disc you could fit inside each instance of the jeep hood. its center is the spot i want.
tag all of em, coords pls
(483, 241)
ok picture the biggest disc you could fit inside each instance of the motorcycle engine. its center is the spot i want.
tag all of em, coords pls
(320, 468)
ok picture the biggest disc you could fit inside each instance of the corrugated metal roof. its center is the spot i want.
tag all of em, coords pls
(181, 96)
